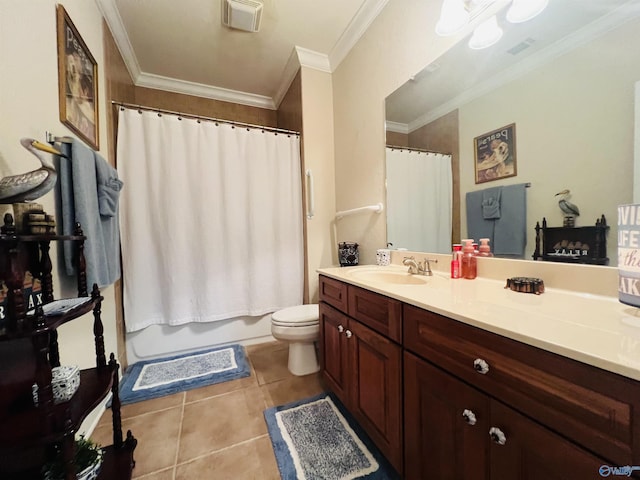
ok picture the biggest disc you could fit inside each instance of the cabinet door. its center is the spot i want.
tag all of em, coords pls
(375, 368)
(333, 350)
(445, 425)
(531, 452)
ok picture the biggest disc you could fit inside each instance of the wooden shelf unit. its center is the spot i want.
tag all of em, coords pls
(29, 351)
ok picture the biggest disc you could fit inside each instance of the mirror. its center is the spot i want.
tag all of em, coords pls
(566, 80)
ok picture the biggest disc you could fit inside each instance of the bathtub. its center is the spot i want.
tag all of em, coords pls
(162, 340)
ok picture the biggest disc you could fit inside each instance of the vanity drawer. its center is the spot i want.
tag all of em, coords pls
(333, 292)
(382, 314)
(594, 408)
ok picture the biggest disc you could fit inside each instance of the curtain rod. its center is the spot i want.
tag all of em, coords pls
(411, 149)
(201, 117)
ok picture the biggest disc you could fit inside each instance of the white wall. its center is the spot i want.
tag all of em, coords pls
(29, 108)
(317, 145)
(398, 44)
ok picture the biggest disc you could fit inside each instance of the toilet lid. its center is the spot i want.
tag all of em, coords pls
(298, 316)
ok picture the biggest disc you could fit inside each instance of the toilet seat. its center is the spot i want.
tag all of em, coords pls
(298, 316)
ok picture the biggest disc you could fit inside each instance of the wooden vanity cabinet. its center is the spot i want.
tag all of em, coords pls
(454, 431)
(362, 366)
(560, 419)
(446, 425)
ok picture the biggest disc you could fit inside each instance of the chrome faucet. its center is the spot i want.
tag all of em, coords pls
(419, 268)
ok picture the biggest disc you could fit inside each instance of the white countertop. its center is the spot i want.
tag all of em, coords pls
(593, 329)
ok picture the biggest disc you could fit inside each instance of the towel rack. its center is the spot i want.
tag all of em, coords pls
(52, 139)
(310, 202)
(377, 208)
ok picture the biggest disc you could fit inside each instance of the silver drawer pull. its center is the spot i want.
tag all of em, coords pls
(340, 328)
(469, 416)
(480, 366)
(497, 436)
(348, 333)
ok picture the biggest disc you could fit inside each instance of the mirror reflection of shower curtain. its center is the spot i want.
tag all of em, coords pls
(419, 200)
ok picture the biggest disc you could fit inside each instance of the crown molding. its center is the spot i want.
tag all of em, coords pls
(114, 21)
(365, 16)
(288, 75)
(396, 127)
(299, 57)
(159, 82)
(312, 59)
(566, 44)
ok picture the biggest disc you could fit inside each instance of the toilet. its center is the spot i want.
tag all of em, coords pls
(300, 327)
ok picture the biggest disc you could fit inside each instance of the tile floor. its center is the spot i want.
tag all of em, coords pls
(216, 432)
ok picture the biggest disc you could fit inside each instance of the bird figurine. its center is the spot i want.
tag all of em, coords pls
(569, 209)
(30, 185)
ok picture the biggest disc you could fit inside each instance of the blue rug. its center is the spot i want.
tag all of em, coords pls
(165, 376)
(317, 439)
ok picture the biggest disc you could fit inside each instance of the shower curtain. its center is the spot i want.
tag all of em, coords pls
(211, 224)
(419, 200)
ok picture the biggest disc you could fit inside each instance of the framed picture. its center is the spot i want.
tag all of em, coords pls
(495, 154)
(77, 81)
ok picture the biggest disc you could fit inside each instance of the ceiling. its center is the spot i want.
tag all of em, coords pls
(184, 47)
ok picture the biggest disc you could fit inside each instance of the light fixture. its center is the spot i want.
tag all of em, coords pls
(486, 34)
(457, 14)
(453, 18)
(523, 10)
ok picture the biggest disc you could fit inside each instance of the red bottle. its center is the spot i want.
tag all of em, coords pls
(455, 261)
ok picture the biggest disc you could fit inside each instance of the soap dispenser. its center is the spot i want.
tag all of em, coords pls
(484, 250)
(469, 260)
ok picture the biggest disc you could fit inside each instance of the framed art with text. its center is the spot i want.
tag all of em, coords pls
(495, 154)
(77, 81)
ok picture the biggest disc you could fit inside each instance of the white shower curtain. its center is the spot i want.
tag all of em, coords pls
(211, 220)
(419, 200)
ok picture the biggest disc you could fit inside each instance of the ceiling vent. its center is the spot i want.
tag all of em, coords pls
(242, 14)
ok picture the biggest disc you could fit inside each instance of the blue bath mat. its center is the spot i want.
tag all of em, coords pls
(165, 376)
(316, 438)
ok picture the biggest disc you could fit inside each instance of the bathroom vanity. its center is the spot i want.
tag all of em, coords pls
(458, 379)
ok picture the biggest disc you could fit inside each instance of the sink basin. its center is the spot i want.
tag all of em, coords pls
(402, 278)
(385, 275)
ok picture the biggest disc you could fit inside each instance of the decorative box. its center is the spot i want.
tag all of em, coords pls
(64, 382)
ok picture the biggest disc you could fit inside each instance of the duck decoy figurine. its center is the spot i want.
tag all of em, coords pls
(567, 207)
(30, 185)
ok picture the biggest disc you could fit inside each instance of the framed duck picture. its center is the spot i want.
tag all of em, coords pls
(495, 154)
(77, 81)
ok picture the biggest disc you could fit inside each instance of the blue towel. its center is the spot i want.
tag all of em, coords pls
(508, 233)
(477, 226)
(491, 202)
(89, 190)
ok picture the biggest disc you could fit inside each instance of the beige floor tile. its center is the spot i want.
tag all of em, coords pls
(157, 435)
(154, 405)
(163, 475)
(251, 460)
(271, 364)
(292, 389)
(221, 421)
(148, 406)
(222, 434)
(220, 388)
(265, 346)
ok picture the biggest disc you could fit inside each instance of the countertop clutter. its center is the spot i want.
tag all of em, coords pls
(594, 329)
